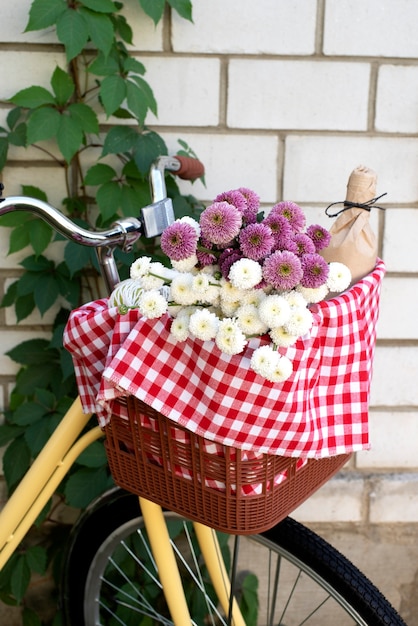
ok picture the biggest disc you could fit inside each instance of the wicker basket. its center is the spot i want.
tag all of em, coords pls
(154, 458)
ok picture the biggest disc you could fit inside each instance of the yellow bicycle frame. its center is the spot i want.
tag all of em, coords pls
(42, 480)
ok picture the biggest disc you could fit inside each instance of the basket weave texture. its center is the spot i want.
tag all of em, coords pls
(180, 473)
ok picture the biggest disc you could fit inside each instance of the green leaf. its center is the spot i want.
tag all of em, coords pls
(4, 148)
(93, 456)
(36, 435)
(28, 413)
(19, 239)
(101, 6)
(43, 124)
(108, 199)
(136, 102)
(123, 28)
(46, 292)
(34, 263)
(17, 137)
(44, 13)
(20, 578)
(30, 618)
(148, 147)
(35, 376)
(99, 174)
(34, 192)
(45, 398)
(16, 461)
(33, 97)
(69, 137)
(73, 32)
(131, 64)
(183, 8)
(120, 139)
(8, 432)
(101, 30)
(13, 117)
(153, 8)
(40, 234)
(77, 257)
(146, 93)
(36, 557)
(62, 85)
(84, 485)
(129, 201)
(24, 306)
(31, 352)
(112, 93)
(104, 65)
(85, 117)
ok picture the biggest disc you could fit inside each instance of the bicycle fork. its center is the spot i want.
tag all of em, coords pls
(169, 573)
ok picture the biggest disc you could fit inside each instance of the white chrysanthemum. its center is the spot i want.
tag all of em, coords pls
(229, 308)
(203, 324)
(230, 339)
(313, 295)
(212, 295)
(281, 371)
(126, 294)
(192, 222)
(245, 273)
(185, 265)
(339, 277)
(274, 310)
(181, 290)
(295, 299)
(300, 322)
(249, 320)
(282, 338)
(152, 304)
(263, 360)
(229, 293)
(269, 363)
(140, 267)
(180, 328)
(253, 296)
(200, 284)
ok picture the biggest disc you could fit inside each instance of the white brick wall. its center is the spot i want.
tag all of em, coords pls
(286, 98)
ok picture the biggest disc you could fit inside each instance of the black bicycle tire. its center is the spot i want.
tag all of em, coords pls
(292, 538)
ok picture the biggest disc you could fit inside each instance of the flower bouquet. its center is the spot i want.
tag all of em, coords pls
(235, 274)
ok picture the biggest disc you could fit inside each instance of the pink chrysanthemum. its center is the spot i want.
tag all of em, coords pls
(256, 241)
(220, 222)
(234, 197)
(253, 205)
(292, 212)
(315, 270)
(283, 270)
(281, 229)
(304, 244)
(179, 240)
(319, 235)
(227, 259)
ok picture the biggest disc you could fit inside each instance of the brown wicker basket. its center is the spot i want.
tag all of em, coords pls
(154, 458)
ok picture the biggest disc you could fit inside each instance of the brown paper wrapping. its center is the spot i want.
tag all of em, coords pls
(353, 241)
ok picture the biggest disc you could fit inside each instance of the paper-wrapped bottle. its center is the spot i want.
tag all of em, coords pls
(353, 241)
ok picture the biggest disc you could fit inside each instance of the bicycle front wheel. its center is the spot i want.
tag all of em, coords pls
(286, 576)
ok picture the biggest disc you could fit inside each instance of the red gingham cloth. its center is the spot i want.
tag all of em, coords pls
(321, 410)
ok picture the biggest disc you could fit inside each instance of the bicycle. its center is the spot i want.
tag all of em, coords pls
(131, 562)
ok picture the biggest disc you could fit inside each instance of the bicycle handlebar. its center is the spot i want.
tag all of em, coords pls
(124, 232)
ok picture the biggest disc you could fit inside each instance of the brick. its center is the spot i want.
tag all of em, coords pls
(231, 161)
(186, 90)
(399, 239)
(393, 437)
(9, 340)
(398, 306)
(278, 97)
(317, 167)
(246, 27)
(397, 99)
(394, 377)
(394, 499)
(373, 28)
(339, 500)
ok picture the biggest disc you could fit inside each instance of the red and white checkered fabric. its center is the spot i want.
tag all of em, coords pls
(321, 410)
